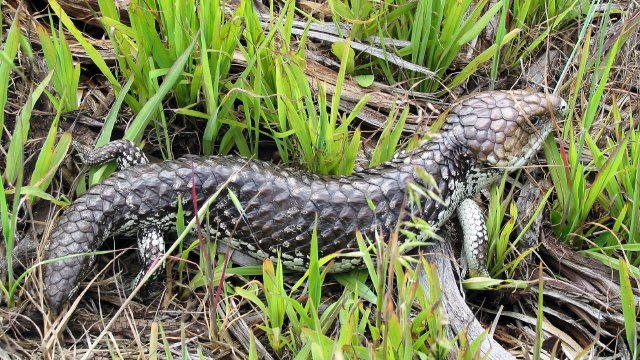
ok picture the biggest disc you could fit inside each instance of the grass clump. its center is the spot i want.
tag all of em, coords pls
(607, 183)
(382, 312)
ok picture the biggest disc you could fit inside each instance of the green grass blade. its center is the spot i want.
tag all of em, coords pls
(91, 51)
(140, 122)
(629, 309)
(21, 132)
(9, 53)
(105, 134)
(472, 67)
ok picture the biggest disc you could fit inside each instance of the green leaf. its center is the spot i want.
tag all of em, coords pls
(365, 80)
(338, 49)
(37, 192)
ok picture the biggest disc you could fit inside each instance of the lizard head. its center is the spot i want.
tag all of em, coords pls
(504, 128)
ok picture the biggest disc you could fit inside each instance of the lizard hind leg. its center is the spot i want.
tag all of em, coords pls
(125, 152)
(151, 247)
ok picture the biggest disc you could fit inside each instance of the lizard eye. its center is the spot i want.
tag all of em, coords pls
(563, 107)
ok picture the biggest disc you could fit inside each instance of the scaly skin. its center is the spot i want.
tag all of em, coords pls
(484, 136)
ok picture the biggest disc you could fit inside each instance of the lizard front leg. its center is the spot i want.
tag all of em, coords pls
(475, 239)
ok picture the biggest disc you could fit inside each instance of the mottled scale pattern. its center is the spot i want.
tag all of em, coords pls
(124, 151)
(476, 239)
(488, 121)
(151, 247)
(280, 204)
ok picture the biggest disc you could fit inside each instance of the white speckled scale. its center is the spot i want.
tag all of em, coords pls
(475, 238)
(151, 247)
